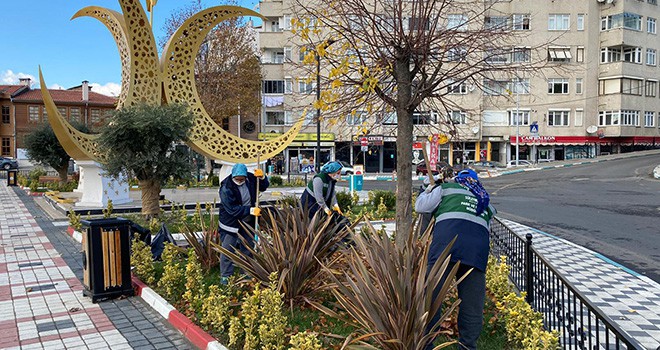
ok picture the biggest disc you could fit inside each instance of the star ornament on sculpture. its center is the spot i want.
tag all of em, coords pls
(147, 78)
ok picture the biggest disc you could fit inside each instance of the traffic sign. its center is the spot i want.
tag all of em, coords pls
(364, 142)
(534, 128)
(364, 148)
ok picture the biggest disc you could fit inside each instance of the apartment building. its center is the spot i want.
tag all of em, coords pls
(23, 109)
(596, 93)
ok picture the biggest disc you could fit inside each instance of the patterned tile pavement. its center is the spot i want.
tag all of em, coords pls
(41, 301)
(631, 300)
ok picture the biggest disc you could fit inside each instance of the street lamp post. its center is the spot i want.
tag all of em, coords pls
(318, 106)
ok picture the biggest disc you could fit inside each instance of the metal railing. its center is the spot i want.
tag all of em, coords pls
(581, 324)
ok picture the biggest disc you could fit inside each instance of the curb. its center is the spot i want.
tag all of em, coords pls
(196, 335)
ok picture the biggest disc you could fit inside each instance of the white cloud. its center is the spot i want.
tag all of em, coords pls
(109, 89)
(56, 87)
(8, 77)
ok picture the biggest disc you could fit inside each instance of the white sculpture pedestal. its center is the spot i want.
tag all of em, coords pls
(97, 189)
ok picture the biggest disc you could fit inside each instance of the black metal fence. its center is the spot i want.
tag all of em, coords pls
(581, 324)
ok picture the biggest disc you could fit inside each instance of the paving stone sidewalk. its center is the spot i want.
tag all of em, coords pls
(41, 301)
(630, 299)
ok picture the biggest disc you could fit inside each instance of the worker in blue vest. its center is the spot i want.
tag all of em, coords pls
(462, 209)
(238, 196)
(320, 193)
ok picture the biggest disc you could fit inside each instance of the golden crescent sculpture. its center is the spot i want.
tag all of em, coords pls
(115, 23)
(206, 136)
(144, 79)
(78, 145)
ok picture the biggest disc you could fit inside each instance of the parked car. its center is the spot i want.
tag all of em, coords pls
(8, 163)
(485, 165)
(521, 163)
(347, 168)
(421, 168)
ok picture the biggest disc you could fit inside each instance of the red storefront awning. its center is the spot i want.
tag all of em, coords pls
(583, 140)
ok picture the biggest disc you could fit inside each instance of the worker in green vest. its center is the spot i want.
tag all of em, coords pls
(461, 209)
(320, 193)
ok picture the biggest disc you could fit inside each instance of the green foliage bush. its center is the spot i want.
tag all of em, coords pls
(276, 180)
(388, 199)
(34, 174)
(345, 200)
(215, 181)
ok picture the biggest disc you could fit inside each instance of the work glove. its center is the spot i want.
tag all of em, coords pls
(256, 211)
(337, 209)
(328, 211)
(429, 188)
(259, 173)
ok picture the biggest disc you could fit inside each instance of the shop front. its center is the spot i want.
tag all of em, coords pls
(549, 148)
(300, 156)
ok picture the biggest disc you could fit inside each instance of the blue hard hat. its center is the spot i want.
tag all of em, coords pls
(239, 170)
(468, 173)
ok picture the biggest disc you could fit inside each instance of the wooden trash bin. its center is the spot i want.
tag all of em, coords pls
(106, 258)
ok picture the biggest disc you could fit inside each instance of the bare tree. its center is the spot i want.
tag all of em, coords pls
(393, 58)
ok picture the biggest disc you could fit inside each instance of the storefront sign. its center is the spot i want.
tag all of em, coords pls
(372, 140)
(309, 136)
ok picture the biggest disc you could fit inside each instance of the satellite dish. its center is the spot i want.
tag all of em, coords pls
(475, 129)
(592, 129)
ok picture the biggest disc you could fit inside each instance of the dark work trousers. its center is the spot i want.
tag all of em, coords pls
(472, 292)
(231, 242)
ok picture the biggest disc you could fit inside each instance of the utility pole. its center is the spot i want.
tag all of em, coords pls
(517, 120)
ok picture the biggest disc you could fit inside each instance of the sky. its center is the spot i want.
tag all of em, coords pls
(69, 51)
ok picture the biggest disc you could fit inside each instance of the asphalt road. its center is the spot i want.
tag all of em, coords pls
(610, 207)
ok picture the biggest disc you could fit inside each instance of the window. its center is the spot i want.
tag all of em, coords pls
(578, 85)
(626, 20)
(286, 22)
(305, 86)
(288, 85)
(277, 56)
(559, 22)
(457, 117)
(632, 54)
(95, 116)
(495, 87)
(390, 118)
(579, 117)
(579, 54)
(650, 88)
(273, 87)
(558, 118)
(650, 25)
(557, 86)
(62, 111)
(630, 118)
(650, 57)
(275, 26)
(44, 114)
(580, 21)
(457, 21)
(520, 86)
(6, 146)
(418, 23)
(287, 53)
(74, 114)
(521, 54)
(649, 119)
(423, 118)
(33, 114)
(5, 115)
(356, 118)
(275, 117)
(497, 22)
(520, 22)
(497, 56)
(559, 54)
(520, 117)
(631, 86)
(457, 88)
(606, 118)
(456, 54)
(610, 54)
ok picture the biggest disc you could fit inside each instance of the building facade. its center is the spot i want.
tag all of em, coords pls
(23, 109)
(596, 93)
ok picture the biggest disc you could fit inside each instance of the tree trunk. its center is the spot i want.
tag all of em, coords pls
(62, 172)
(150, 195)
(404, 141)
